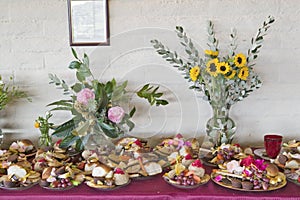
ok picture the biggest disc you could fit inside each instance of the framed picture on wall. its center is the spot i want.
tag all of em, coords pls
(88, 22)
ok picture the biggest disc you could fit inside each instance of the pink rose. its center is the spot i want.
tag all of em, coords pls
(85, 95)
(116, 114)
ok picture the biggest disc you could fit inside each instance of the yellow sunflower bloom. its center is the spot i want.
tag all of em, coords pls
(240, 60)
(243, 73)
(211, 53)
(194, 73)
(211, 67)
(231, 75)
(223, 68)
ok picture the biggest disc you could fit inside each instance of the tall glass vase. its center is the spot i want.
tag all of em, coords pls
(98, 141)
(220, 128)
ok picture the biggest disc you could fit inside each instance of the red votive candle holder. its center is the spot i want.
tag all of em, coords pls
(272, 145)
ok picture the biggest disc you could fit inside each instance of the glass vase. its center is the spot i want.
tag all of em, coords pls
(45, 139)
(98, 141)
(220, 128)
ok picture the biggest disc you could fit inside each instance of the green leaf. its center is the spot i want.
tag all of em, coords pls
(109, 130)
(74, 65)
(65, 129)
(132, 112)
(162, 102)
(68, 141)
(62, 103)
(80, 76)
(61, 108)
(103, 99)
(77, 87)
(130, 124)
(74, 53)
(86, 60)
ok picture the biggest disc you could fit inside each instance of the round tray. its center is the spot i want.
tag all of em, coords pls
(108, 188)
(226, 185)
(261, 153)
(18, 188)
(204, 180)
(58, 189)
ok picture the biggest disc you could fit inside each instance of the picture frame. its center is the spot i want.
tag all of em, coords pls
(88, 22)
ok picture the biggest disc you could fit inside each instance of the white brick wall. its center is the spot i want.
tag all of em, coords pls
(34, 42)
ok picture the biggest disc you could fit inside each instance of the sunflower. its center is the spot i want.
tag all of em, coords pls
(223, 67)
(211, 53)
(240, 60)
(211, 67)
(231, 75)
(243, 73)
(194, 73)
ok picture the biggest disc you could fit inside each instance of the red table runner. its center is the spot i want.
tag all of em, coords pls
(152, 188)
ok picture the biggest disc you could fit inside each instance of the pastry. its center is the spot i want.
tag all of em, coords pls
(120, 177)
(197, 168)
(152, 168)
(236, 183)
(247, 185)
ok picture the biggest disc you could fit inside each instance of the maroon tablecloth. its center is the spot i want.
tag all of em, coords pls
(153, 188)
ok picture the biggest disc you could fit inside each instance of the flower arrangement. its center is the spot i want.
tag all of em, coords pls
(44, 127)
(95, 107)
(9, 93)
(223, 79)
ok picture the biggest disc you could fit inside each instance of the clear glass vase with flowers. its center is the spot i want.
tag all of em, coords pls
(222, 79)
(97, 113)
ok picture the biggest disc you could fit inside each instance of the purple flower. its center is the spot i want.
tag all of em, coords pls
(116, 114)
(85, 95)
(259, 163)
(218, 178)
(180, 144)
(187, 143)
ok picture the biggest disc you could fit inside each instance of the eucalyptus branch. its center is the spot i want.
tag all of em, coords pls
(61, 84)
(213, 42)
(233, 44)
(258, 40)
(171, 57)
(189, 47)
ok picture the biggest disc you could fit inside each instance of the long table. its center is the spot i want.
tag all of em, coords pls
(152, 188)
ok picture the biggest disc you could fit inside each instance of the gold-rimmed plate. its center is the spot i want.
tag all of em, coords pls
(228, 184)
(106, 187)
(20, 188)
(204, 180)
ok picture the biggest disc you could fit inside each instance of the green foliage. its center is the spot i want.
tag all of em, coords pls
(236, 88)
(258, 39)
(10, 93)
(150, 93)
(92, 117)
(224, 80)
